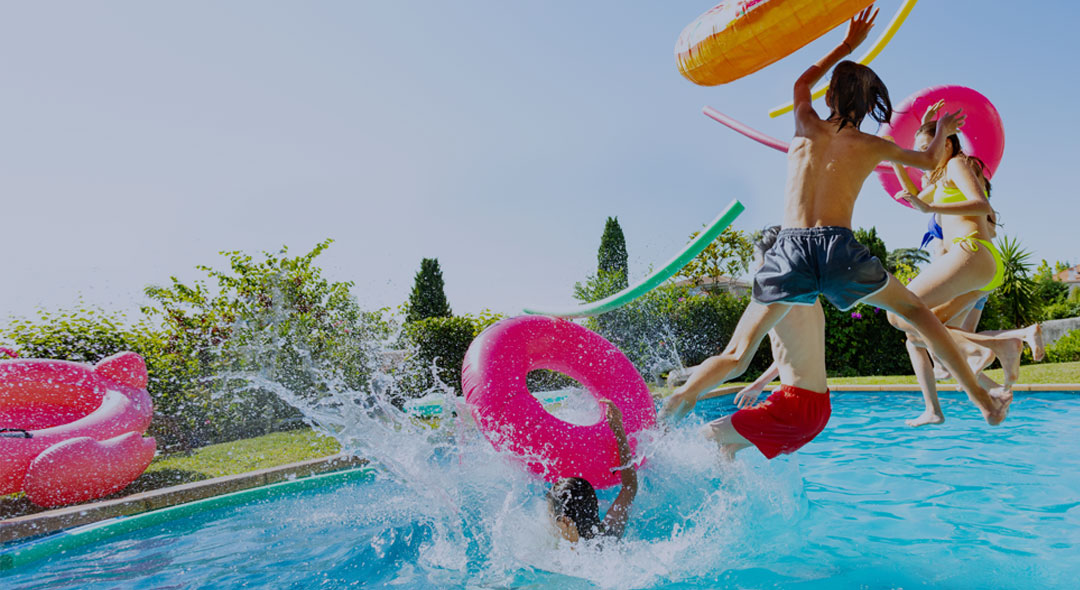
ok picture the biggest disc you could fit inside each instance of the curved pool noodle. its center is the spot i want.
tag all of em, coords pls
(875, 49)
(776, 144)
(654, 280)
(754, 134)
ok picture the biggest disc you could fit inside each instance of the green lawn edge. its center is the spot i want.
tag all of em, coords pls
(230, 458)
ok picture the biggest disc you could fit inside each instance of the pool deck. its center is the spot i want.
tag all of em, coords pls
(32, 525)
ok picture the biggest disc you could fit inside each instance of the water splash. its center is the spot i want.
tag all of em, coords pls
(484, 519)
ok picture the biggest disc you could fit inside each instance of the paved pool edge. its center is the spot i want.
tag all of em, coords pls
(41, 523)
(59, 542)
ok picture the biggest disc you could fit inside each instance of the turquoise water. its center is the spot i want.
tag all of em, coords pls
(870, 504)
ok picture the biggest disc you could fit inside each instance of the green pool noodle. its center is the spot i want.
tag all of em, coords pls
(613, 302)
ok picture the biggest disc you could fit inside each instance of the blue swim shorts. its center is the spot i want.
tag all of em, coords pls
(809, 261)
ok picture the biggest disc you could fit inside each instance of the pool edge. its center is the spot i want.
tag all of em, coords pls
(63, 540)
(43, 523)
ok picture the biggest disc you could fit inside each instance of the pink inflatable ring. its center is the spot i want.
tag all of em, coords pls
(983, 134)
(493, 379)
(71, 432)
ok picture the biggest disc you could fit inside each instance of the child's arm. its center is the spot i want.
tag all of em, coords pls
(619, 513)
(947, 125)
(750, 393)
(964, 178)
(858, 28)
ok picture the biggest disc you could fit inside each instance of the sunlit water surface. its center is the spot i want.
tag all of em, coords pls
(870, 504)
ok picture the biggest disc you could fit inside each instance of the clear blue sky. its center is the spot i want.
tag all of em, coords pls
(138, 139)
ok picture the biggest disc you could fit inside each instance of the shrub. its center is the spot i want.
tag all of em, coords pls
(861, 341)
(277, 318)
(439, 343)
(1066, 349)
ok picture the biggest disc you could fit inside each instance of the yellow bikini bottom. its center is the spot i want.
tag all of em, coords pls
(972, 244)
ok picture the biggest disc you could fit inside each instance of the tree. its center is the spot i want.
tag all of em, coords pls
(612, 258)
(427, 299)
(874, 244)
(728, 255)
(611, 268)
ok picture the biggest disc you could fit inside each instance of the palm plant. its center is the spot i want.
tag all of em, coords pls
(1016, 295)
(913, 257)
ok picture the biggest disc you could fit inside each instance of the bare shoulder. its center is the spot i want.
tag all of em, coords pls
(958, 166)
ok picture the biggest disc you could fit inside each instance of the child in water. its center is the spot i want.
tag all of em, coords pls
(816, 253)
(572, 500)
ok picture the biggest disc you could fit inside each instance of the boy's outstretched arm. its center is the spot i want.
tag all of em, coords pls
(858, 28)
(749, 394)
(617, 516)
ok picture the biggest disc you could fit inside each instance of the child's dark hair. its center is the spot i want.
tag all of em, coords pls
(766, 238)
(857, 91)
(575, 498)
(929, 129)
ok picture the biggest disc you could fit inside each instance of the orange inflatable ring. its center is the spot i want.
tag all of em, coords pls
(739, 37)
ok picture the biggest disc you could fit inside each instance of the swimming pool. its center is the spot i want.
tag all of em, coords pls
(870, 504)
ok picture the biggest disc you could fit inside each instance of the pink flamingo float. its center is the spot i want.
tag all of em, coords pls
(71, 432)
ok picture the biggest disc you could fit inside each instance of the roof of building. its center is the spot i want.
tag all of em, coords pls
(1069, 275)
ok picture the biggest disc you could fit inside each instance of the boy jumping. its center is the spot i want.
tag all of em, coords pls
(816, 253)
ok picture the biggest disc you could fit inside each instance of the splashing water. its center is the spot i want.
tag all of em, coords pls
(485, 520)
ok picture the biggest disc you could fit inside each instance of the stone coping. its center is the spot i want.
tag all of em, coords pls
(41, 523)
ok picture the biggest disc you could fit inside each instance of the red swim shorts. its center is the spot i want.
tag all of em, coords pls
(787, 420)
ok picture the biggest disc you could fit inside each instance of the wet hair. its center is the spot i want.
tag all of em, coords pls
(856, 91)
(766, 238)
(929, 129)
(575, 498)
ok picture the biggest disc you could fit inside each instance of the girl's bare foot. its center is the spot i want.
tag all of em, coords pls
(1034, 338)
(927, 417)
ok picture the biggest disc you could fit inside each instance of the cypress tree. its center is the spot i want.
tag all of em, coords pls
(612, 259)
(427, 299)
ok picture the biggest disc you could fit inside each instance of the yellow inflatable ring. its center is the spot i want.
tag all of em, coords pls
(875, 49)
(739, 37)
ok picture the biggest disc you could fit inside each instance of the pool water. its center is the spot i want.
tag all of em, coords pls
(870, 504)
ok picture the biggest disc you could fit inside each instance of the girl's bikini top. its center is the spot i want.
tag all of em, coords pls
(949, 194)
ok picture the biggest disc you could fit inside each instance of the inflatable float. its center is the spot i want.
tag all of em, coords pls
(512, 419)
(875, 49)
(612, 302)
(71, 432)
(982, 136)
(739, 37)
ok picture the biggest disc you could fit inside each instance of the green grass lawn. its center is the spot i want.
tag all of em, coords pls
(1036, 374)
(1039, 373)
(229, 458)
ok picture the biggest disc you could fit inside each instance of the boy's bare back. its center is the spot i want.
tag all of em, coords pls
(827, 167)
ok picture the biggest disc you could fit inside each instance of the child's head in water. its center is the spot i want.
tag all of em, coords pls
(573, 505)
(855, 92)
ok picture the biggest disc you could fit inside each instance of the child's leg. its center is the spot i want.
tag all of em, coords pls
(754, 324)
(724, 434)
(1031, 335)
(895, 298)
(924, 373)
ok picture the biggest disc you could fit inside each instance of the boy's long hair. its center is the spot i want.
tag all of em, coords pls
(856, 92)
(929, 129)
(575, 498)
